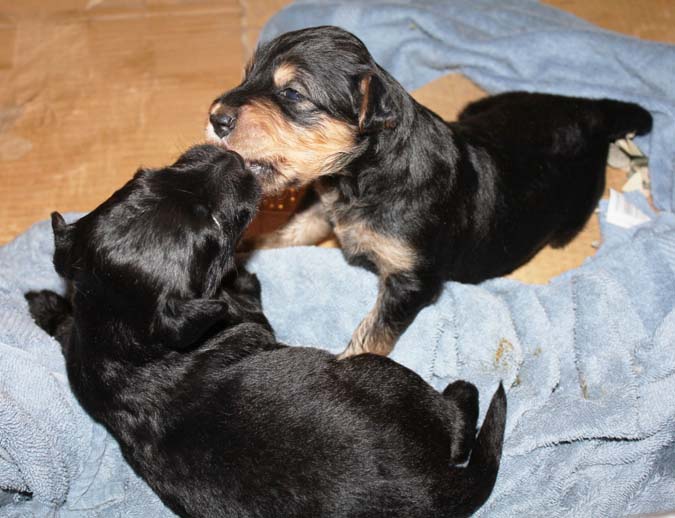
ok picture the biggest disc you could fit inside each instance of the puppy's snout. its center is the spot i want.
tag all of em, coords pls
(223, 122)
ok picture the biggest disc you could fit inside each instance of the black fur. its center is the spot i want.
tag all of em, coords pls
(473, 199)
(169, 349)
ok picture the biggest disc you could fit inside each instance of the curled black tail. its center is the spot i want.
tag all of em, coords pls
(471, 486)
(621, 118)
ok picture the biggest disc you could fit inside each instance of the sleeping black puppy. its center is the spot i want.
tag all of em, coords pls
(166, 345)
(416, 199)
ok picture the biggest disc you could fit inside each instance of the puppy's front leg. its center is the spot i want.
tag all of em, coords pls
(53, 313)
(308, 227)
(247, 284)
(401, 296)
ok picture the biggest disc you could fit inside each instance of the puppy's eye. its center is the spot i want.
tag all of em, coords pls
(291, 95)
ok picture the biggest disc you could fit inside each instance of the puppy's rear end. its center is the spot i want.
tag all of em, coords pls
(547, 156)
(469, 487)
(620, 118)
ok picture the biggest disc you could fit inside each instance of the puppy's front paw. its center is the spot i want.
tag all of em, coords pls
(247, 283)
(356, 348)
(48, 309)
(370, 337)
(348, 352)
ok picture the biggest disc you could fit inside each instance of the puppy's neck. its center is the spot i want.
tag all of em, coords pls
(398, 157)
(101, 317)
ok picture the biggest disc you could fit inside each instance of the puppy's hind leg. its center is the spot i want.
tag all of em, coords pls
(462, 397)
(51, 312)
(582, 201)
(468, 488)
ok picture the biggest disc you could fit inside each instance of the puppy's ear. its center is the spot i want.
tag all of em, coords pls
(63, 244)
(375, 110)
(179, 324)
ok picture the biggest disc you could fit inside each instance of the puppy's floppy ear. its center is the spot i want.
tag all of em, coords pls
(179, 324)
(63, 244)
(375, 109)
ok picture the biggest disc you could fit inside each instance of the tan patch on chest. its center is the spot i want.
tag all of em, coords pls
(389, 254)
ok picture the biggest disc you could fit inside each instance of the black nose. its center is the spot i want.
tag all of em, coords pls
(222, 123)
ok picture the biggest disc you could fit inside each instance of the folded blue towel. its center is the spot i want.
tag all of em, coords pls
(588, 362)
(510, 45)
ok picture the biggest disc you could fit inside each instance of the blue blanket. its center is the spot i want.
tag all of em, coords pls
(510, 45)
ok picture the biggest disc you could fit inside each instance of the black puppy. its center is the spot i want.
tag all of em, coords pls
(414, 198)
(167, 346)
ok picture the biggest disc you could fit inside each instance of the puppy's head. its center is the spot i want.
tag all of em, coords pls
(308, 104)
(163, 243)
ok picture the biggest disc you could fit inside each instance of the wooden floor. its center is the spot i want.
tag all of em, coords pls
(91, 89)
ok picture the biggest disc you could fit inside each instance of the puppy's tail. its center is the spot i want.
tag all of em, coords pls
(620, 118)
(471, 486)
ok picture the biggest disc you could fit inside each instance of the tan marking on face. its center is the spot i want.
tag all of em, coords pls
(215, 107)
(390, 255)
(210, 133)
(299, 154)
(284, 74)
(371, 336)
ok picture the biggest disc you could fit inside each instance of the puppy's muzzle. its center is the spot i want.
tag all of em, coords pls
(223, 122)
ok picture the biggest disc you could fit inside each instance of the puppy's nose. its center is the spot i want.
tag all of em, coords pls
(223, 123)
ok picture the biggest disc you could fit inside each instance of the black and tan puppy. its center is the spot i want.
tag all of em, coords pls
(167, 346)
(416, 199)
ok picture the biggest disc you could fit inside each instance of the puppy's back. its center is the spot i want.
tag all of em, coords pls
(553, 124)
